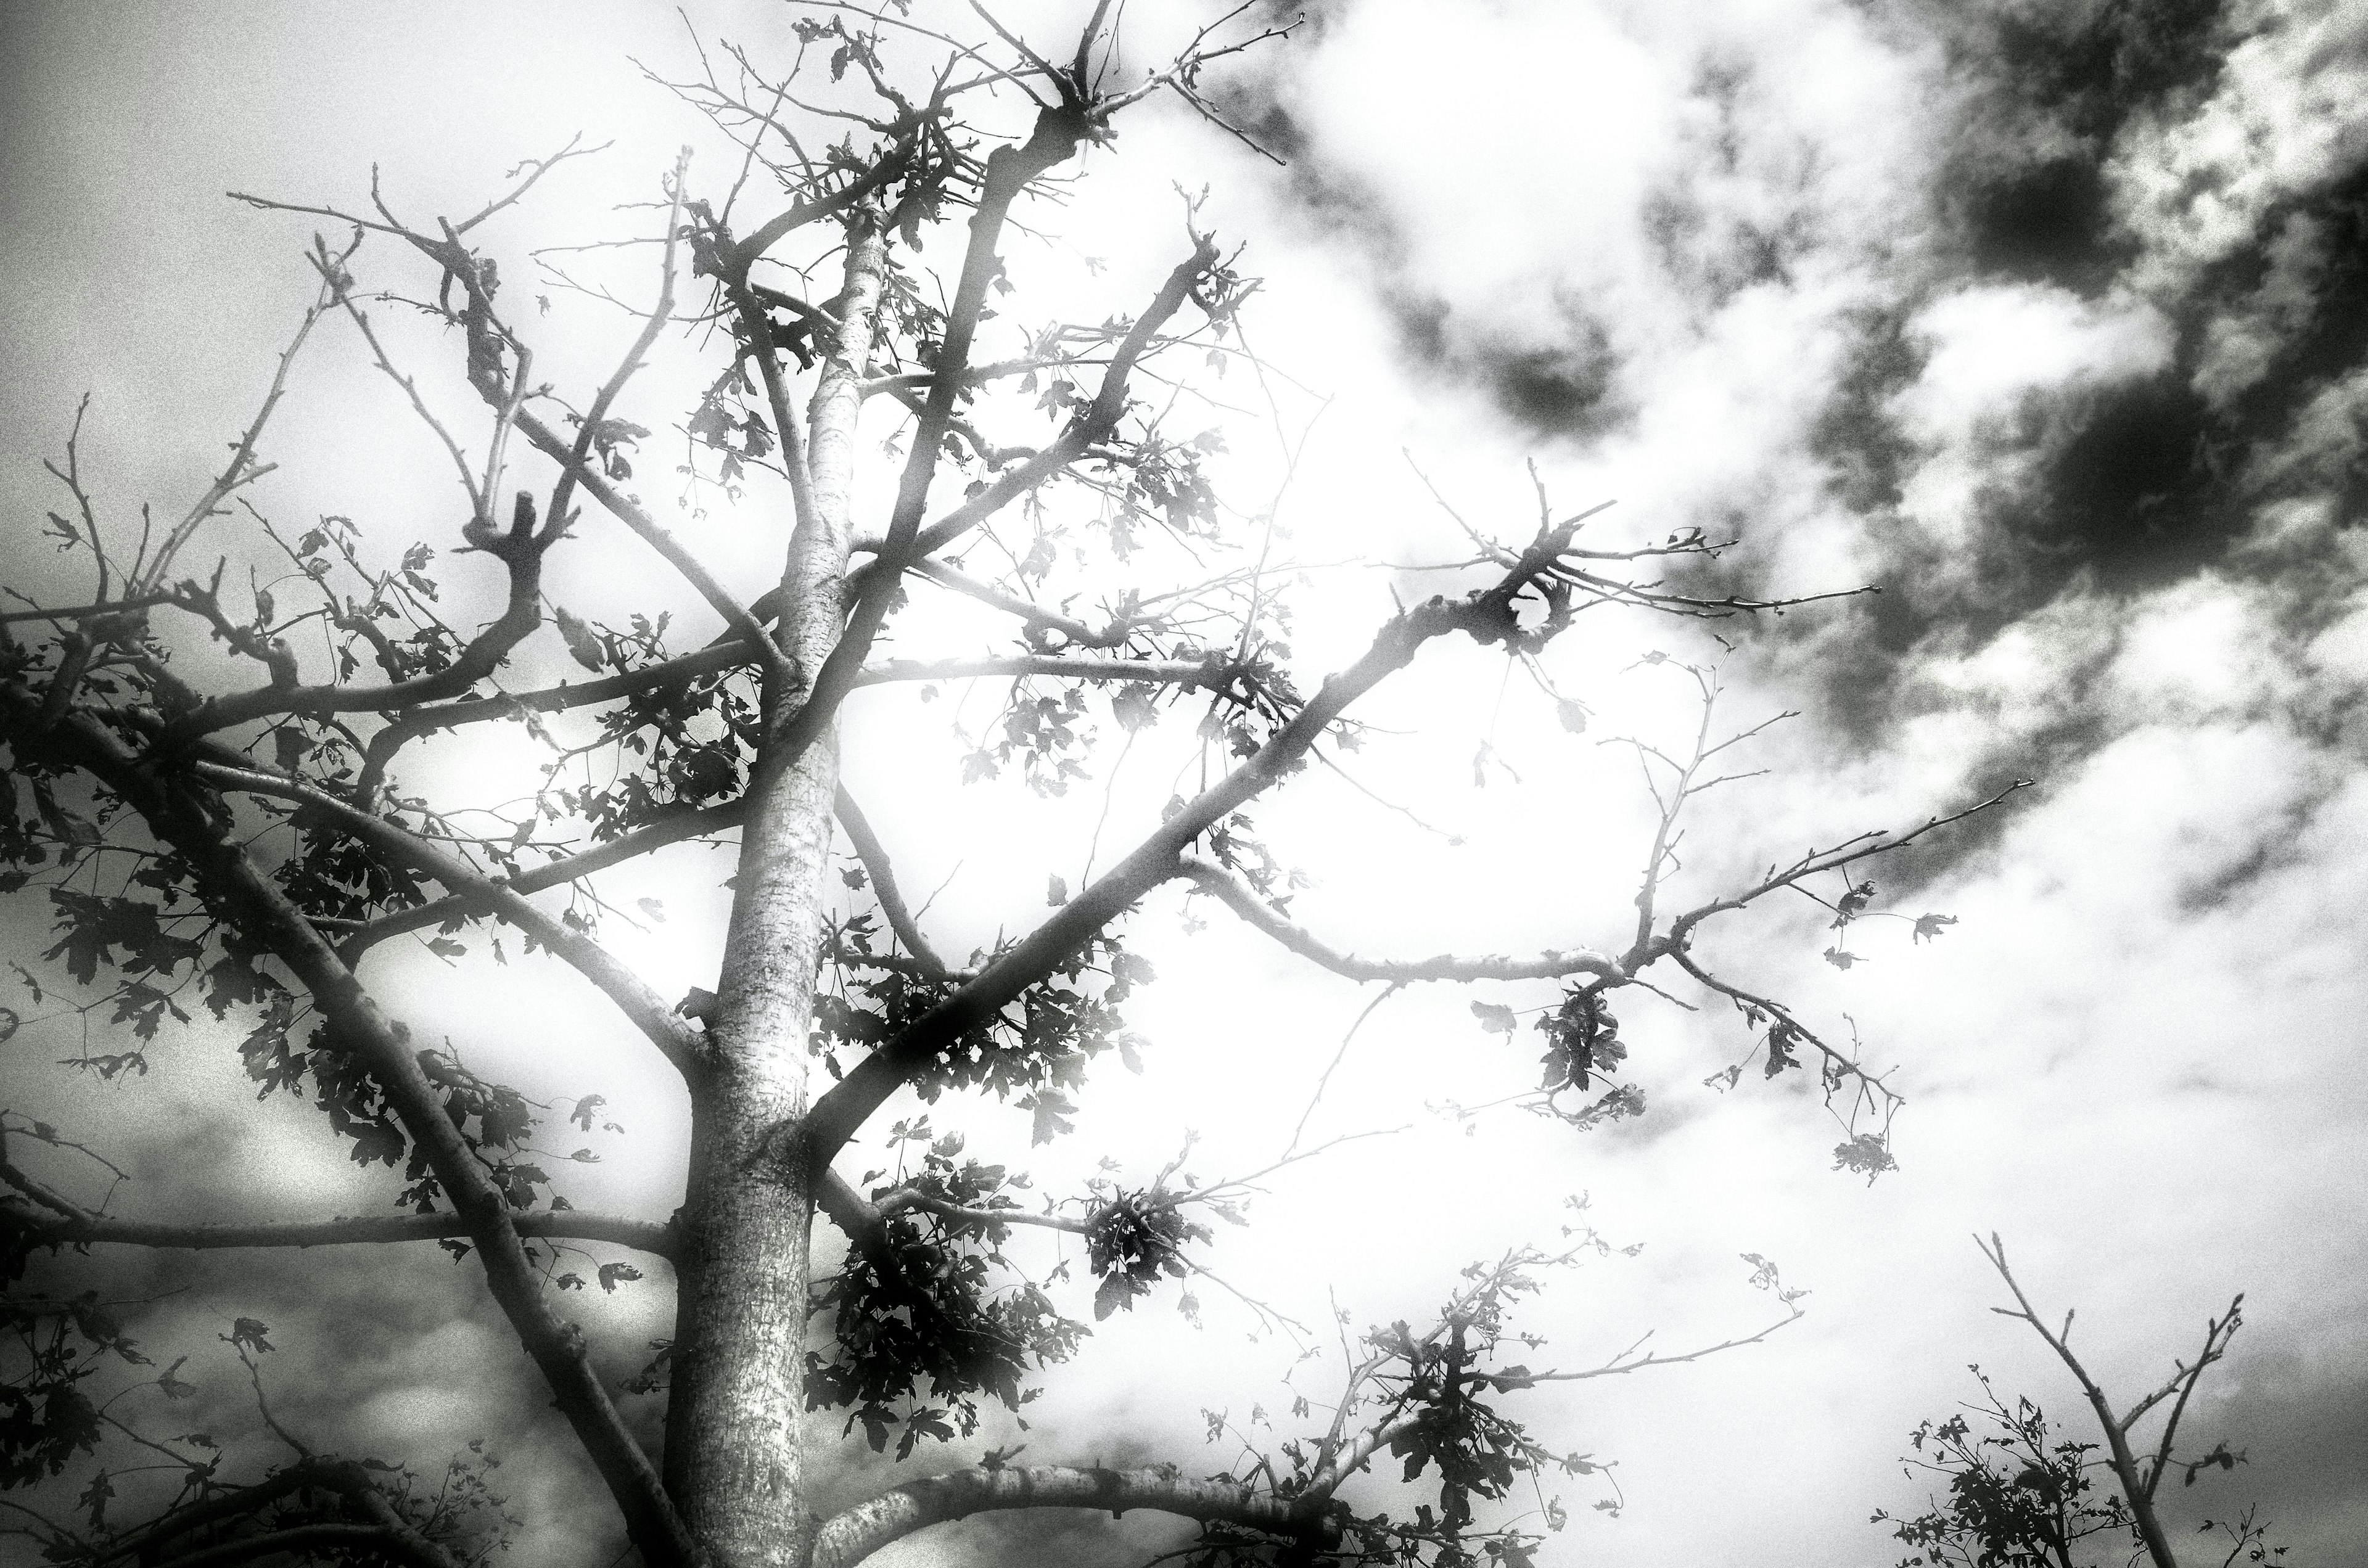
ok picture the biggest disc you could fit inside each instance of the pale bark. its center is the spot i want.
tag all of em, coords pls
(737, 1393)
(849, 1537)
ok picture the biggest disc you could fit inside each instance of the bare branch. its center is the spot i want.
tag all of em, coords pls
(2135, 1489)
(573, 867)
(1865, 846)
(1036, 618)
(241, 469)
(1244, 900)
(868, 850)
(660, 313)
(1185, 673)
(566, 1224)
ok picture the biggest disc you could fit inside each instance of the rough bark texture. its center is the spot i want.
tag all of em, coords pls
(731, 1455)
(855, 1535)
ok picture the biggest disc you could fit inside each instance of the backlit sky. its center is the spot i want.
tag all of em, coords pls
(2046, 319)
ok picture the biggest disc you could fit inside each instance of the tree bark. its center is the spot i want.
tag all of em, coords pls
(733, 1458)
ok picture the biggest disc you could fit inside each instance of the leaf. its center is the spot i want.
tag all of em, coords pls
(1053, 1110)
(1132, 707)
(1056, 890)
(1866, 1155)
(446, 948)
(1495, 1017)
(875, 1426)
(581, 643)
(1571, 714)
(95, 1498)
(249, 1332)
(652, 907)
(173, 1386)
(1927, 927)
(61, 823)
(612, 1272)
(1852, 904)
(1841, 959)
(1116, 1290)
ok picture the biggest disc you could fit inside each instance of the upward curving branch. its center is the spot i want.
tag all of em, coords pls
(1244, 900)
(849, 1537)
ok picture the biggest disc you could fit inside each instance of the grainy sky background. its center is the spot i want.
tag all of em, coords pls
(2050, 320)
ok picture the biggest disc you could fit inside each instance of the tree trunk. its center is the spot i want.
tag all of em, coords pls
(732, 1450)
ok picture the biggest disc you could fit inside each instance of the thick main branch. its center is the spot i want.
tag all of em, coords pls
(849, 1537)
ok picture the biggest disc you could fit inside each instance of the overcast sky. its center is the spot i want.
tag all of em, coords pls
(2051, 321)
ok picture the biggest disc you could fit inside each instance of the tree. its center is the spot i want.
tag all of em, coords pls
(2016, 1499)
(226, 821)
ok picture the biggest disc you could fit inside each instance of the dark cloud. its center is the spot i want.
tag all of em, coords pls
(2302, 1423)
(1565, 387)
(1854, 435)
(1558, 379)
(2092, 489)
(2053, 87)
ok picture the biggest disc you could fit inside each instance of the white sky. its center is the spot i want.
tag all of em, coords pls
(2133, 1056)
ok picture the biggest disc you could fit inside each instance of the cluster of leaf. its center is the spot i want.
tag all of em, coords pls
(1433, 1393)
(689, 744)
(1032, 1052)
(26, 841)
(1132, 1241)
(1440, 1380)
(1865, 1153)
(496, 1120)
(1232, 843)
(934, 1314)
(1047, 735)
(415, 642)
(1042, 731)
(333, 875)
(726, 421)
(1256, 700)
(1154, 481)
(46, 1419)
(146, 943)
(1582, 1040)
(2016, 1499)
